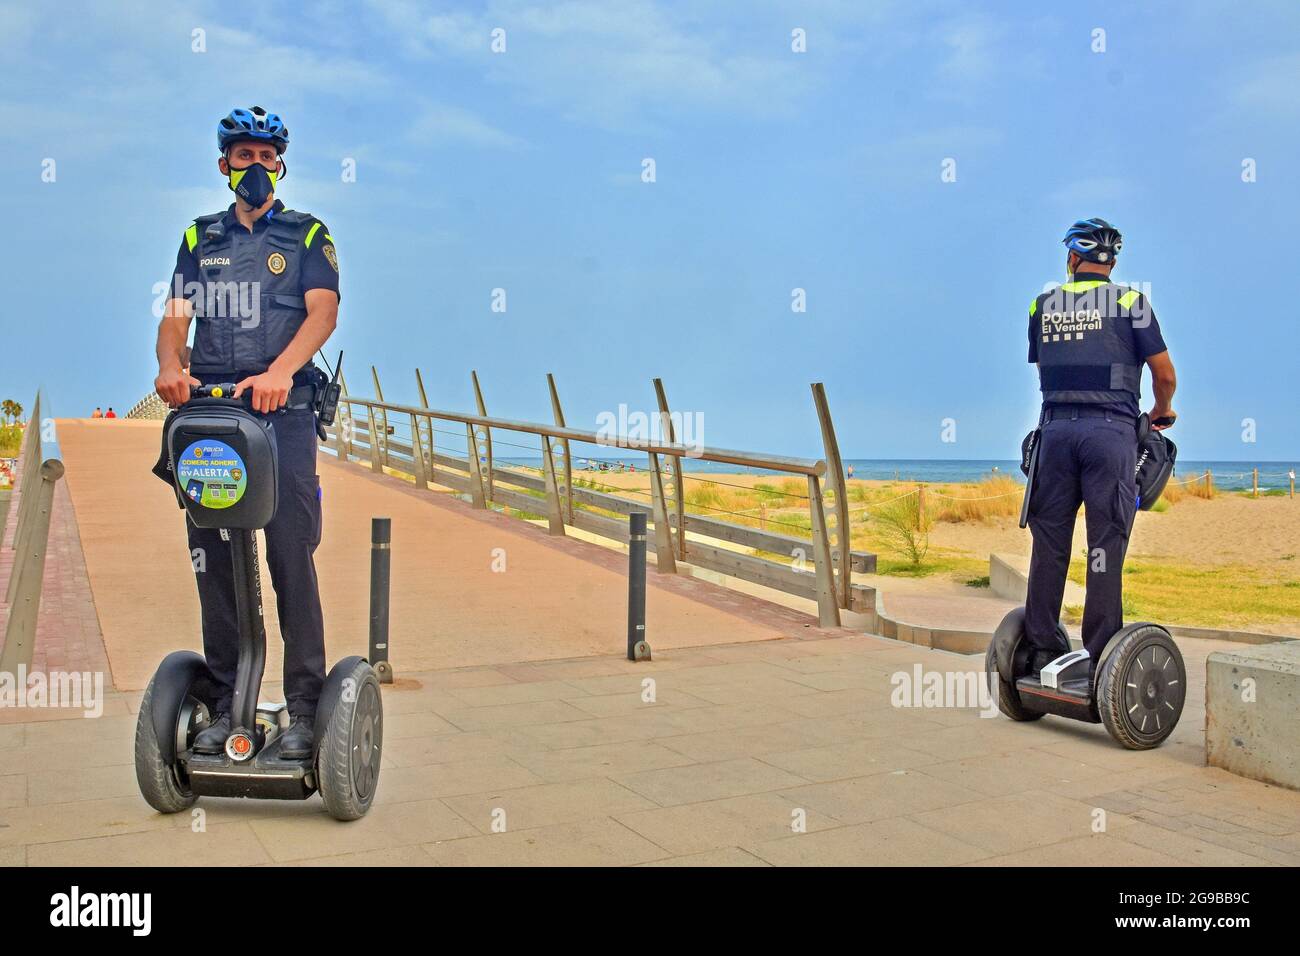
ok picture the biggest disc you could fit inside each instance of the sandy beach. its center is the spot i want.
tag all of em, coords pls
(1231, 560)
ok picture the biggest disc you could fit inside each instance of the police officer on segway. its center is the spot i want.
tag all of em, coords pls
(261, 281)
(1089, 338)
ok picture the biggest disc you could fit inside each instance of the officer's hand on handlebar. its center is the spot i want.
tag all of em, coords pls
(1162, 418)
(270, 390)
(173, 386)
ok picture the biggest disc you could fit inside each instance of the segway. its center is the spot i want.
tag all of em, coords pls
(1137, 689)
(1138, 686)
(225, 469)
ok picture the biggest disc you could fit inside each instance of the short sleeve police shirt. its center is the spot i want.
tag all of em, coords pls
(320, 264)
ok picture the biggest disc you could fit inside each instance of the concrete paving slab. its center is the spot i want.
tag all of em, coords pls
(688, 829)
(897, 841)
(601, 842)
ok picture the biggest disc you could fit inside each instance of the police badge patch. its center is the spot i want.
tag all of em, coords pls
(331, 256)
(275, 262)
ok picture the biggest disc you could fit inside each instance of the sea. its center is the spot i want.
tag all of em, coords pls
(1228, 475)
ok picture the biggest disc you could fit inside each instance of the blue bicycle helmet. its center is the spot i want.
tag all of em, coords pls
(252, 124)
(1094, 239)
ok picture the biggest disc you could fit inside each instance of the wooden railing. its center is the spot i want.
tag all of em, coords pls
(406, 439)
(40, 465)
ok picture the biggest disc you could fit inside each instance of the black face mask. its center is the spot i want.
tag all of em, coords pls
(253, 184)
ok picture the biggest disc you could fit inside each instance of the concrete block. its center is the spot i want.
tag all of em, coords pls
(1252, 710)
(1009, 579)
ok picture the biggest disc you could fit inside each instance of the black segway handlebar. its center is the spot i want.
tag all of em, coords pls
(224, 390)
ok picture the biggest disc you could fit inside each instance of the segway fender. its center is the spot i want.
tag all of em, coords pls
(330, 693)
(1009, 633)
(176, 675)
(1118, 636)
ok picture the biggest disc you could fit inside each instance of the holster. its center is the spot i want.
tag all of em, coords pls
(163, 466)
(1029, 465)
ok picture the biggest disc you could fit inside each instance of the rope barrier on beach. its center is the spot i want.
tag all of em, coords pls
(872, 504)
(1006, 494)
(732, 484)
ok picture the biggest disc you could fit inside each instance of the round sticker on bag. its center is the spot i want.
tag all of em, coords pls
(212, 474)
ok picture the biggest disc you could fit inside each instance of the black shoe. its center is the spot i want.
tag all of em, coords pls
(1038, 659)
(296, 742)
(212, 739)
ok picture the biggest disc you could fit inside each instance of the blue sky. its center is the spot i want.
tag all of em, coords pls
(775, 170)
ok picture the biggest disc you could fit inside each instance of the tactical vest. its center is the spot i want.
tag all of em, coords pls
(1086, 352)
(252, 303)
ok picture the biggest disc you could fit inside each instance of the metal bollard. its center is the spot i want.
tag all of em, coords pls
(381, 537)
(637, 648)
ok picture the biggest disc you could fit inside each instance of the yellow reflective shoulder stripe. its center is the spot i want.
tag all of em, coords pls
(1082, 286)
(1128, 298)
(192, 236)
(311, 234)
(1033, 307)
(329, 237)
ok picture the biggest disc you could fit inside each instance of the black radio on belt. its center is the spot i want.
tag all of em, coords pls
(327, 397)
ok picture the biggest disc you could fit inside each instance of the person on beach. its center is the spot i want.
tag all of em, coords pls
(1089, 339)
(97, 413)
(284, 264)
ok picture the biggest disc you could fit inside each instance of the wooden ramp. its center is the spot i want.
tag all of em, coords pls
(557, 597)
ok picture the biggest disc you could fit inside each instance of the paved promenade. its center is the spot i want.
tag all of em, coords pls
(753, 738)
(742, 743)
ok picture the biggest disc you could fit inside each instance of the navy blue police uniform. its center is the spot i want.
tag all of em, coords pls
(248, 290)
(1089, 338)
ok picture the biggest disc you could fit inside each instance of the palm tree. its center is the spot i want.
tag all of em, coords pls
(11, 410)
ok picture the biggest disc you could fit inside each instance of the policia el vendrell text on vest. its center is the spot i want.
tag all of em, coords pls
(261, 283)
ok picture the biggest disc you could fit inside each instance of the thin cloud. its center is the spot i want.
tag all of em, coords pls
(605, 64)
(444, 125)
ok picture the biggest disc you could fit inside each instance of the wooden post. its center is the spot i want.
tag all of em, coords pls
(828, 611)
(429, 444)
(554, 512)
(665, 560)
(1291, 475)
(383, 420)
(920, 507)
(346, 423)
(564, 444)
(1209, 483)
(417, 453)
(485, 436)
(375, 464)
(475, 471)
(1254, 482)
(839, 532)
(674, 492)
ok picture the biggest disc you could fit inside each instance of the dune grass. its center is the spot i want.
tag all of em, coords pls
(1234, 595)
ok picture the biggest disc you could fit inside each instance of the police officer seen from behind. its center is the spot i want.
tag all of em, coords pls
(1090, 338)
(261, 282)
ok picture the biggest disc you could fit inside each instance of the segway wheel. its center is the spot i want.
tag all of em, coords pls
(160, 783)
(1141, 687)
(347, 765)
(1005, 692)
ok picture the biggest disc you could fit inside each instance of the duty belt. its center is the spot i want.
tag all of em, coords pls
(1083, 411)
(301, 396)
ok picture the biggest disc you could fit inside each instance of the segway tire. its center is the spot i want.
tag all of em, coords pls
(1141, 687)
(158, 781)
(347, 765)
(1007, 697)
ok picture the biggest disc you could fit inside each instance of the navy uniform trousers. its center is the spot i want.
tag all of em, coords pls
(1087, 456)
(291, 540)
